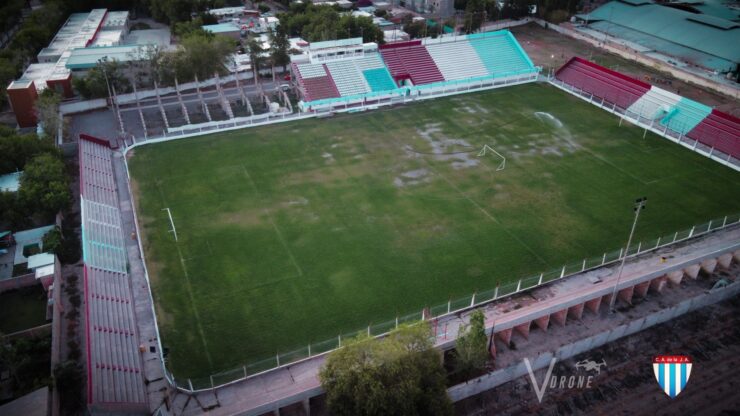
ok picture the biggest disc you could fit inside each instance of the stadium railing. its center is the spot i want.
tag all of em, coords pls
(651, 124)
(447, 309)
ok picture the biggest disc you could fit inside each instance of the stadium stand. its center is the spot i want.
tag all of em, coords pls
(347, 77)
(720, 131)
(602, 82)
(361, 72)
(411, 61)
(448, 56)
(684, 117)
(656, 103)
(315, 82)
(114, 367)
(500, 52)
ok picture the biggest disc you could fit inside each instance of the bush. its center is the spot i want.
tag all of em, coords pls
(68, 380)
(264, 8)
(75, 300)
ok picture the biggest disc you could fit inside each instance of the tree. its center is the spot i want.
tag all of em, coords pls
(52, 241)
(475, 15)
(255, 51)
(187, 27)
(68, 380)
(471, 351)
(279, 46)
(400, 374)
(105, 73)
(318, 23)
(44, 185)
(17, 150)
(47, 112)
(202, 54)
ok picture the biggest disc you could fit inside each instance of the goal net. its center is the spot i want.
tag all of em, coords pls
(488, 150)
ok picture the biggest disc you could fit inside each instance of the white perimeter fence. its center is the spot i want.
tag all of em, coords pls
(447, 309)
(453, 88)
(650, 124)
(452, 306)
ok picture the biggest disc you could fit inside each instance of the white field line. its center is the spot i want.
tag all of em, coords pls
(189, 288)
(274, 226)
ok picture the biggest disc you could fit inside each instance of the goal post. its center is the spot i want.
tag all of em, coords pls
(486, 149)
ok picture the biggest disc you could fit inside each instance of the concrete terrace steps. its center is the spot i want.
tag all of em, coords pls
(412, 61)
(114, 365)
(457, 60)
(601, 82)
(720, 131)
(499, 54)
(656, 103)
(115, 356)
(686, 115)
(348, 79)
(316, 82)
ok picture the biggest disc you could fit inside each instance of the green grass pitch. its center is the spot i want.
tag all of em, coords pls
(297, 232)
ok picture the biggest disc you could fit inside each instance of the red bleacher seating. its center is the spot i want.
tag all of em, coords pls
(410, 60)
(602, 82)
(318, 88)
(719, 130)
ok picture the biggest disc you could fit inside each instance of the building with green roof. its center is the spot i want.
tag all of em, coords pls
(704, 39)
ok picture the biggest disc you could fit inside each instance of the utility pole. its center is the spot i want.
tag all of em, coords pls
(639, 206)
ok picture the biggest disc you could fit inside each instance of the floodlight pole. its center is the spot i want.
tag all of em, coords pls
(639, 206)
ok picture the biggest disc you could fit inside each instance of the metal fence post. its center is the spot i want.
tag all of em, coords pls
(472, 300)
(309, 350)
(277, 357)
(190, 384)
(211, 376)
(339, 337)
(449, 304)
(396, 322)
(368, 330)
(639, 246)
(245, 371)
(710, 226)
(518, 285)
(540, 281)
(691, 233)
(724, 222)
(603, 259)
(584, 265)
(621, 251)
(675, 236)
(656, 246)
(562, 273)
(495, 293)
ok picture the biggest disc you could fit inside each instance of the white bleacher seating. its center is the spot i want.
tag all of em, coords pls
(457, 60)
(348, 79)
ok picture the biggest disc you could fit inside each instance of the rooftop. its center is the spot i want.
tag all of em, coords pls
(335, 43)
(40, 260)
(85, 58)
(222, 28)
(706, 40)
(26, 238)
(159, 37)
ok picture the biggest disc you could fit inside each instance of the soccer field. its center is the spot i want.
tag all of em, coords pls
(297, 232)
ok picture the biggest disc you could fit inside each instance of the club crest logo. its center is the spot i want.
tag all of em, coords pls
(672, 373)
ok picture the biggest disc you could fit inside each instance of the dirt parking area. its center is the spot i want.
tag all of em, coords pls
(550, 49)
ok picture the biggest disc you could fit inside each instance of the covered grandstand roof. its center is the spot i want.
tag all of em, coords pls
(706, 40)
